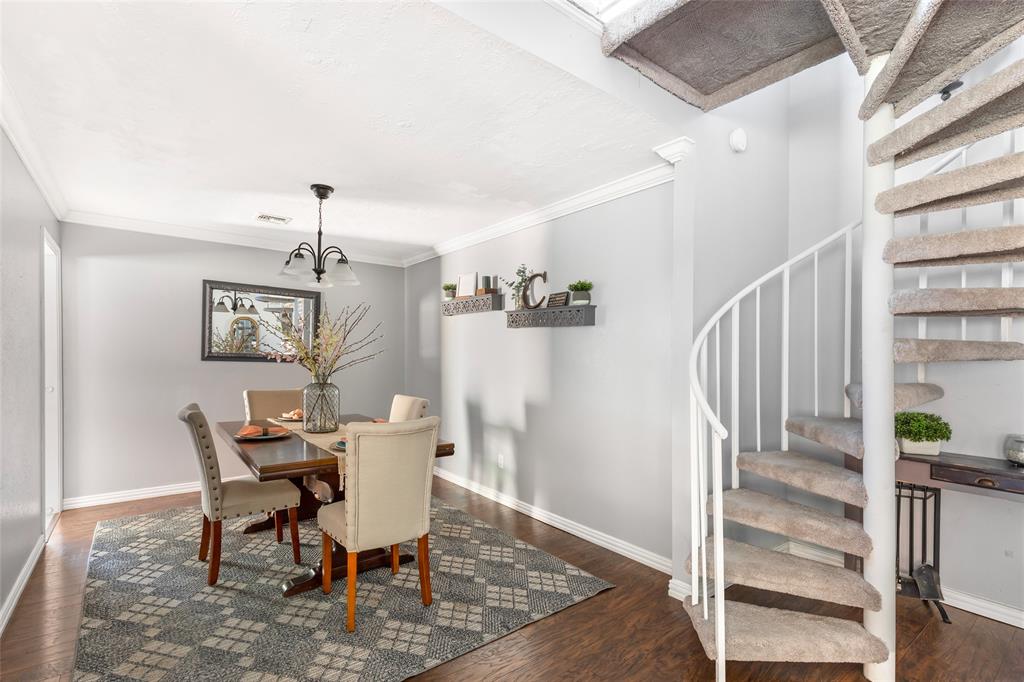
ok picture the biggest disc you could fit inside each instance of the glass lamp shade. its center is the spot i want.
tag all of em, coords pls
(220, 308)
(325, 282)
(252, 309)
(342, 273)
(294, 266)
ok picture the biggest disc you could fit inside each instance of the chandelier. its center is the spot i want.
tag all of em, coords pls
(329, 266)
(236, 303)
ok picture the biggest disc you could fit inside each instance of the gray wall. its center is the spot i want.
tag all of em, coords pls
(132, 325)
(577, 416)
(23, 213)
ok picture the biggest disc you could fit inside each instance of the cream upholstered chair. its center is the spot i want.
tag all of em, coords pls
(265, 404)
(406, 408)
(388, 471)
(230, 499)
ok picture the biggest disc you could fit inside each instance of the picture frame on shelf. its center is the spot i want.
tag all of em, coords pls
(559, 299)
(466, 285)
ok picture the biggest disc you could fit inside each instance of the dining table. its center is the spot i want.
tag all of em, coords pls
(310, 463)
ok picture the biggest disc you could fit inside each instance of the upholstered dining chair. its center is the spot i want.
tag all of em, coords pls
(230, 499)
(406, 408)
(388, 470)
(265, 404)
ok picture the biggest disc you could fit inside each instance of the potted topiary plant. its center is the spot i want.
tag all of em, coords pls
(580, 292)
(449, 290)
(921, 433)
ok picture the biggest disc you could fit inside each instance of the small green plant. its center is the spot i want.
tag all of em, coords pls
(519, 283)
(581, 285)
(449, 286)
(922, 426)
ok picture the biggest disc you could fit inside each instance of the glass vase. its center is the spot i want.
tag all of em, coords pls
(321, 406)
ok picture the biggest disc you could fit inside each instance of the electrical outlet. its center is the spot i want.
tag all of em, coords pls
(501, 461)
(1008, 553)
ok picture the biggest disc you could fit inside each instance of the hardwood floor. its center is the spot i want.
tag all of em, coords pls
(634, 631)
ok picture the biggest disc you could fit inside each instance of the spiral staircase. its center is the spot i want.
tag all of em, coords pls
(709, 53)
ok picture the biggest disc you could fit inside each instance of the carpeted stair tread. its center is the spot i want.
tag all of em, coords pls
(959, 37)
(807, 473)
(967, 247)
(759, 633)
(957, 302)
(799, 521)
(766, 569)
(913, 31)
(1000, 179)
(993, 106)
(907, 396)
(839, 433)
(951, 350)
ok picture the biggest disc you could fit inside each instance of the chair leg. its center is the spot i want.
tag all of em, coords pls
(215, 558)
(293, 528)
(423, 561)
(326, 563)
(394, 559)
(353, 568)
(278, 525)
(204, 541)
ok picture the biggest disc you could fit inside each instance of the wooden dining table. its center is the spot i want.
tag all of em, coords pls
(317, 474)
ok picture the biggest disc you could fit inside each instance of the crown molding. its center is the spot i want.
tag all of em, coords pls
(578, 15)
(223, 234)
(636, 182)
(12, 121)
(675, 150)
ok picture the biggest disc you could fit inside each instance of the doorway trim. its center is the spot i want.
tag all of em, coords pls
(48, 242)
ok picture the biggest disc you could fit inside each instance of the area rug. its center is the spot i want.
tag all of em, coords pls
(149, 614)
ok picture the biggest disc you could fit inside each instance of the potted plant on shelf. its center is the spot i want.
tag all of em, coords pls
(518, 284)
(921, 433)
(335, 346)
(448, 289)
(579, 292)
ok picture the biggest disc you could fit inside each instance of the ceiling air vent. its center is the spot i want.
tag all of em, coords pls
(272, 219)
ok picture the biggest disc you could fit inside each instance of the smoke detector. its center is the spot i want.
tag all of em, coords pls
(270, 219)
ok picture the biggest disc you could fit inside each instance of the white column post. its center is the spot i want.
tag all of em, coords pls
(878, 378)
(677, 153)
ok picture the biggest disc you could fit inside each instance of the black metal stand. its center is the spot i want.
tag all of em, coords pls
(921, 581)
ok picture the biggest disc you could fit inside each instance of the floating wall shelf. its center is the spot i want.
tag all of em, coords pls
(565, 316)
(472, 304)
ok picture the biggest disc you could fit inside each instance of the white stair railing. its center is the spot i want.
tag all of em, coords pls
(707, 430)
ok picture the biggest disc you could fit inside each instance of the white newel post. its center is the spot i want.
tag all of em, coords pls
(878, 377)
(678, 152)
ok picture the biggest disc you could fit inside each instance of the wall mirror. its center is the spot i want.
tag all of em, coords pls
(237, 319)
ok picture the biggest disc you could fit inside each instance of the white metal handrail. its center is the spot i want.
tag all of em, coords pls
(705, 421)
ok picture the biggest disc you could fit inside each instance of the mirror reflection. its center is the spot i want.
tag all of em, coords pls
(237, 319)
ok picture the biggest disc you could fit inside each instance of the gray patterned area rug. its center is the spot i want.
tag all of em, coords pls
(149, 614)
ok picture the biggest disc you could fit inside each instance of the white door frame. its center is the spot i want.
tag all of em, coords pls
(49, 242)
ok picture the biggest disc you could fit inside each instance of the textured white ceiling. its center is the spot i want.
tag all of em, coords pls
(205, 114)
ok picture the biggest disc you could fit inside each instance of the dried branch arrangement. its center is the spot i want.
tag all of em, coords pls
(337, 344)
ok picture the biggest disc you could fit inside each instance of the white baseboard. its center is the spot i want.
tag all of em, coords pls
(679, 589)
(136, 494)
(19, 585)
(982, 606)
(626, 549)
(808, 551)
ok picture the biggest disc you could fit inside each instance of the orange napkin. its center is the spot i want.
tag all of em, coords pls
(250, 431)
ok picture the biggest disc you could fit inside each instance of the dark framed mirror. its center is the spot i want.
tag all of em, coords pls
(238, 319)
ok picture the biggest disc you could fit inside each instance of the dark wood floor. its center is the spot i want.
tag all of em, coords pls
(633, 632)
